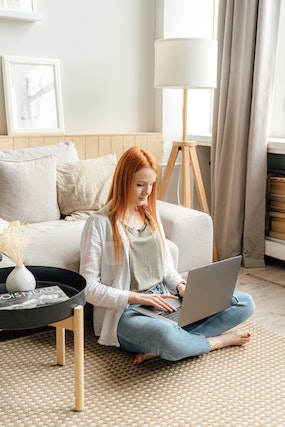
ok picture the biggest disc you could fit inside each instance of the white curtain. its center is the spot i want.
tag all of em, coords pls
(247, 36)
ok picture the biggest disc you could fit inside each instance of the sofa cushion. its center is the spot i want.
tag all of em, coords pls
(28, 190)
(55, 243)
(192, 231)
(83, 186)
(64, 151)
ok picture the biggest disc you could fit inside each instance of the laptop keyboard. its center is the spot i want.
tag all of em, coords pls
(174, 315)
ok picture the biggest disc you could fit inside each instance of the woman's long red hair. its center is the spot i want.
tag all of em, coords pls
(120, 195)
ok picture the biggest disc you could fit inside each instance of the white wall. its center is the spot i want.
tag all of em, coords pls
(105, 48)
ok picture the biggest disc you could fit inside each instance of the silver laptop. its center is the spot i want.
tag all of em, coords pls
(209, 291)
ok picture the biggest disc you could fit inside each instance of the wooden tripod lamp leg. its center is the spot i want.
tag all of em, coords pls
(198, 180)
(186, 191)
(189, 158)
(200, 188)
(168, 171)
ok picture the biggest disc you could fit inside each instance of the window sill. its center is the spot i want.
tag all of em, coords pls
(205, 140)
(276, 145)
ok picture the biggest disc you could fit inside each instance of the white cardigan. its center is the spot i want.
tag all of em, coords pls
(108, 284)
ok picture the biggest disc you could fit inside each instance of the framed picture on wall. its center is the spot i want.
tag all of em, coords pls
(19, 9)
(33, 97)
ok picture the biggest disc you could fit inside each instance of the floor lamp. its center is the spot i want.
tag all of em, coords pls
(185, 63)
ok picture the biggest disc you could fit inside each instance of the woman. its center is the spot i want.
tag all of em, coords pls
(126, 261)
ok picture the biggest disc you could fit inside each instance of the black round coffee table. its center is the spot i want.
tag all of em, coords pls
(67, 314)
(73, 285)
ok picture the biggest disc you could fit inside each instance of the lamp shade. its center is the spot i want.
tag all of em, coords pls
(185, 63)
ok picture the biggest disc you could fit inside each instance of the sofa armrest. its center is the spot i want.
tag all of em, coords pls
(191, 231)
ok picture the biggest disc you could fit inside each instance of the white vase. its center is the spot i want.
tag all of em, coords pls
(20, 279)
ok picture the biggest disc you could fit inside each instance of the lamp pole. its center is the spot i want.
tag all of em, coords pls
(185, 113)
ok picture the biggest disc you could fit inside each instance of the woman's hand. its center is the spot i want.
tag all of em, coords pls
(158, 301)
(181, 289)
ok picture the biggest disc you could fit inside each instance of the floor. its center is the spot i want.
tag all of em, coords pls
(267, 287)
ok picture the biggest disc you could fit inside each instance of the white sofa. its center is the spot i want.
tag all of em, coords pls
(41, 185)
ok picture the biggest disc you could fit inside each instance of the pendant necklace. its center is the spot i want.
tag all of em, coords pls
(135, 231)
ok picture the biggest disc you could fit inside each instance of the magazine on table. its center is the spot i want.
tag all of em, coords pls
(30, 299)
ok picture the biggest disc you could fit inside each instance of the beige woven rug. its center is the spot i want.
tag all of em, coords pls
(229, 387)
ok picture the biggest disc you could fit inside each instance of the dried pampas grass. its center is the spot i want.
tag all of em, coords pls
(14, 242)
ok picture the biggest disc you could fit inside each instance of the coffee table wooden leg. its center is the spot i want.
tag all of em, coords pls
(75, 324)
(78, 331)
(60, 345)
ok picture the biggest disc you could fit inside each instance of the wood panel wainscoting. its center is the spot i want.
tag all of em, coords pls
(90, 146)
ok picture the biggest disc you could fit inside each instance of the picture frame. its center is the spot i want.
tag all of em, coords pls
(26, 10)
(33, 98)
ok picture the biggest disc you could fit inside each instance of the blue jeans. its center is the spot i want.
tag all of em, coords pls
(139, 333)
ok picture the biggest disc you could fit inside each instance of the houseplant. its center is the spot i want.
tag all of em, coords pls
(13, 243)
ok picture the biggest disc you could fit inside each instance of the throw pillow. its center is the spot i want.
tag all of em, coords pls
(64, 151)
(28, 190)
(83, 186)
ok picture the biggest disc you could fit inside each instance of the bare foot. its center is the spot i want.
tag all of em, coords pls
(225, 340)
(140, 357)
(230, 338)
